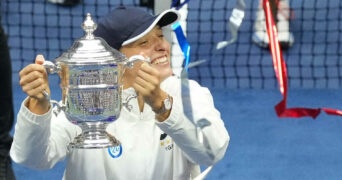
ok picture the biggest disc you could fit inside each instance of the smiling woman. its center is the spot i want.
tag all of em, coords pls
(154, 46)
(158, 139)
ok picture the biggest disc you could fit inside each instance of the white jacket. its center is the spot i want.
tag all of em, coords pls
(40, 141)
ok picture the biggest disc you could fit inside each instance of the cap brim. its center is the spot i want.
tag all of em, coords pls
(165, 18)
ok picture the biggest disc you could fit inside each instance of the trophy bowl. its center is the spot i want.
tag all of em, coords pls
(90, 73)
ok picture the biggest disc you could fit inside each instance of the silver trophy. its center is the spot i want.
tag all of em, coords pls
(90, 73)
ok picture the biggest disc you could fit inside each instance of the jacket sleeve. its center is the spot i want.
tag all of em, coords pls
(35, 143)
(194, 123)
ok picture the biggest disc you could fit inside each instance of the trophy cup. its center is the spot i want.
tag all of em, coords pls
(90, 73)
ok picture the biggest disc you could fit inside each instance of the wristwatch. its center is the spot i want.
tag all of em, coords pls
(166, 105)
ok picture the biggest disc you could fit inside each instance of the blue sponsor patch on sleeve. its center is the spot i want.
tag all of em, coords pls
(115, 151)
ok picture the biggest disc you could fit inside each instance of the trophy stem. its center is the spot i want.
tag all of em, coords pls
(94, 136)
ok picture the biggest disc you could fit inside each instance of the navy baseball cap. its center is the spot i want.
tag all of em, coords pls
(124, 25)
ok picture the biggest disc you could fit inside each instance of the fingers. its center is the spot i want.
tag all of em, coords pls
(33, 67)
(39, 59)
(147, 80)
(143, 87)
(33, 79)
(35, 88)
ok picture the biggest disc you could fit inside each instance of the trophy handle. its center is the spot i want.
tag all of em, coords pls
(133, 59)
(51, 68)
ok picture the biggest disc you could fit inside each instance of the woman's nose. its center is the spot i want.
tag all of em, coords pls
(161, 44)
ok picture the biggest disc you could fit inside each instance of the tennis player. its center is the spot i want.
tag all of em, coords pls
(157, 141)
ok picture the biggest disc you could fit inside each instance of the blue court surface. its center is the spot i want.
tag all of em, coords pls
(263, 146)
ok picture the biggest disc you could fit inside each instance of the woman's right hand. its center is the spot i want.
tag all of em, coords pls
(34, 81)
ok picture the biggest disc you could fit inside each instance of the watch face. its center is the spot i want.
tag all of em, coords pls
(167, 103)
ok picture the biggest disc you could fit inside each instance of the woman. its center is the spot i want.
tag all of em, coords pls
(158, 141)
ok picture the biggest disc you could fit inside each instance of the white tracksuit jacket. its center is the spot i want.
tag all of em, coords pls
(146, 153)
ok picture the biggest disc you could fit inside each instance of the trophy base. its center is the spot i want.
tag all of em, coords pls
(94, 139)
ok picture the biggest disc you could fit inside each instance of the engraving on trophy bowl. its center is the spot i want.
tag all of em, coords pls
(93, 94)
